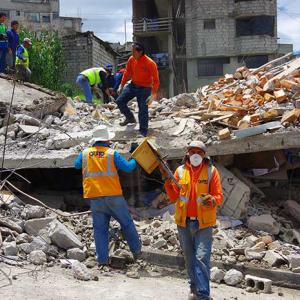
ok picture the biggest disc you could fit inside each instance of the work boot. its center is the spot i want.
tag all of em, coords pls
(130, 120)
(192, 296)
(137, 255)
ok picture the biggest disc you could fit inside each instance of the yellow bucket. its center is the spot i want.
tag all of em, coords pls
(146, 157)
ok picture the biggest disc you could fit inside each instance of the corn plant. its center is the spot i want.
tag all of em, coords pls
(46, 59)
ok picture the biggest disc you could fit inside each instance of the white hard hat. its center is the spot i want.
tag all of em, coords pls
(102, 134)
(197, 144)
(27, 40)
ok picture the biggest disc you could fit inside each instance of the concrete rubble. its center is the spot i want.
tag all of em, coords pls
(226, 115)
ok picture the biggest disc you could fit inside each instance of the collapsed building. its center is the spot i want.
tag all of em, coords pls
(249, 121)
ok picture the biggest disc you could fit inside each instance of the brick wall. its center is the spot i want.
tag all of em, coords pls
(222, 40)
(83, 51)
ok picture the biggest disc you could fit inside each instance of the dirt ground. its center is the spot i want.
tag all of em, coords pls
(58, 284)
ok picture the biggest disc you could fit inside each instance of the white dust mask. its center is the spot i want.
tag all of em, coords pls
(196, 160)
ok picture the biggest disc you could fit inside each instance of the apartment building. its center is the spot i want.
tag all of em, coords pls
(204, 39)
(37, 15)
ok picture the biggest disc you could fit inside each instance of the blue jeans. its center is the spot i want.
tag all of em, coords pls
(141, 93)
(103, 208)
(196, 245)
(84, 84)
(3, 52)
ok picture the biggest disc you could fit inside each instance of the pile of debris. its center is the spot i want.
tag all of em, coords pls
(33, 234)
(248, 102)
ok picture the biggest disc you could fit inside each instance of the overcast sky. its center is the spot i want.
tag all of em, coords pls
(107, 18)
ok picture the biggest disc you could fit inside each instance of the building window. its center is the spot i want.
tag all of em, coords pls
(68, 23)
(236, 1)
(55, 15)
(33, 17)
(18, 13)
(212, 66)
(259, 25)
(253, 61)
(6, 12)
(46, 19)
(210, 24)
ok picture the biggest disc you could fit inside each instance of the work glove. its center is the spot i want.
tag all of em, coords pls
(133, 146)
(164, 173)
(209, 201)
(120, 89)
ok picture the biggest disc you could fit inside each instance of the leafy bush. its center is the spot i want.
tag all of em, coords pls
(46, 59)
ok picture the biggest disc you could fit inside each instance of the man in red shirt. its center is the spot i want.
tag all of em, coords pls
(143, 72)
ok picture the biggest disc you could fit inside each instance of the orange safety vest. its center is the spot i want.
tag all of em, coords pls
(100, 176)
(207, 216)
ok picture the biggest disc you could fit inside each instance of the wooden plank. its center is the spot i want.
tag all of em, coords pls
(220, 118)
(292, 66)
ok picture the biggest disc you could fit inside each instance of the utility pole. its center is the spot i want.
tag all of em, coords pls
(125, 27)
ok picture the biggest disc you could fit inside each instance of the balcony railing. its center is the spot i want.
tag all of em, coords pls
(152, 25)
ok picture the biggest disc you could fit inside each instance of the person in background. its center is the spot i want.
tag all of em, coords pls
(3, 42)
(110, 79)
(143, 72)
(196, 214)
(13, 43)
(101, 185)
(22, 60)
(90, 80)
(118, 79)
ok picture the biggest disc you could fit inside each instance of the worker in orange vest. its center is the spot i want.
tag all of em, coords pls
(101, 185)
(196, 213)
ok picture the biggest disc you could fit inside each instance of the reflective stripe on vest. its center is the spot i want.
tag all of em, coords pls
(209, 171)
(98, 174)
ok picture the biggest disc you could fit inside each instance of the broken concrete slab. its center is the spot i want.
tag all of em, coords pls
(77, 254)
(34, 226)
(33, 212)
(274, 259)
(65, 141)
(264, 223)
(236, 194)
(63, 237)
(10, 248)
(37, 257)
(6, 222)
(292, 208)
(27, 129)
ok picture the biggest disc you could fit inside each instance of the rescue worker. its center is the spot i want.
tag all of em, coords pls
(3, 42)
(143, 72)
(13, 42)
(101, 185)
(118, 79)
(90, 80)
(196, 213)
(22, 60)
(110, 79)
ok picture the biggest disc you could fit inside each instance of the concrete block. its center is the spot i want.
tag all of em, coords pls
(63, 237)
(32, 227)
(264, 223)
(37, 257)
(236, 194)
(63, 141)
(260, 284)
(274, 259)
(76, 254)
(294, 261)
